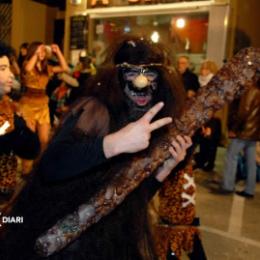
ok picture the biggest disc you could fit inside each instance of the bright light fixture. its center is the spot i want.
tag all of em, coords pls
(180, 23)
(127, 29)
(75, 2)
(155, 37)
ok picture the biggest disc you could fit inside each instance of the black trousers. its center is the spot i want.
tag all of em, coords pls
(207, 154)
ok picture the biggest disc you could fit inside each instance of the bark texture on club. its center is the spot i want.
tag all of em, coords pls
(230, 82)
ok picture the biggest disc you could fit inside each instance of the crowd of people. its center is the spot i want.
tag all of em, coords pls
(243, 132)
(40, 89)
(105, 119)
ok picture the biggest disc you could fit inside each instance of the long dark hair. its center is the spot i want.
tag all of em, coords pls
(106, 86)
(31, 51)
(21, 57)
(124, 234)
(5, 50)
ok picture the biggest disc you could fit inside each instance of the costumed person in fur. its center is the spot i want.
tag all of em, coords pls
(15, 137)
(129, 105)
(177, 229)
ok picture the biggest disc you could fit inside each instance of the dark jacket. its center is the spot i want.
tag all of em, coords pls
(70, 171)
(190, 81)
(21, 140)
(244, 119)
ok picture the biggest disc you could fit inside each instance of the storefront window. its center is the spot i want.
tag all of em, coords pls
(181, 33)
(115, 3)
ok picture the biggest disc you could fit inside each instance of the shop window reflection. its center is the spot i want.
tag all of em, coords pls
(182, 33)
(115, 3)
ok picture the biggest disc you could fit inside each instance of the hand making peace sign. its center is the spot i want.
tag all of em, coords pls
(135, 136)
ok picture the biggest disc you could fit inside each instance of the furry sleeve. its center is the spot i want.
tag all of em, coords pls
(78, 146)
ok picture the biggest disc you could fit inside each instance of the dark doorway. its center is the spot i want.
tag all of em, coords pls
(58, 35)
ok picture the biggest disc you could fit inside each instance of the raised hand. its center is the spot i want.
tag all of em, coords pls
(39, 50)
(178, 150)
(55, 48)
(4, 127)
(135, 136)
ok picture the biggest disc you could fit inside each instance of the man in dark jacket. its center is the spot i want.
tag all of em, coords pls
(190, 80)
(244, 131)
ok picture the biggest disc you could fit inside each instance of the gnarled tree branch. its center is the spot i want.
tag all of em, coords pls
(230, 82)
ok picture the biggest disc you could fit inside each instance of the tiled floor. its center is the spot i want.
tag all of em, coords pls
(230, 224)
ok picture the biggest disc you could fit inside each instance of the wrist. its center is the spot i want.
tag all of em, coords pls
(110, 146)
(58, 53)
(162, 174)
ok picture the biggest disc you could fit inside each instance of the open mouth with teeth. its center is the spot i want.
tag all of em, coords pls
(140, 97)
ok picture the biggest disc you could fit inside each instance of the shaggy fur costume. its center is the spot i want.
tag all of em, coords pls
(53, 193)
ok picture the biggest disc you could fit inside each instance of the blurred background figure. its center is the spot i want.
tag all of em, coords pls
(14, 65)
(241, 167)
(15, 92)
(22, 53)
(207, 70)
(208, 138)
(244, 131)
(34, 101)
(84, 69)
(16, 139)
(60, 98)
(99, 52)
(190, 79)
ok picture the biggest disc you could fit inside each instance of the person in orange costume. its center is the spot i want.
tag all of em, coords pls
(177, 228)
(34, 103)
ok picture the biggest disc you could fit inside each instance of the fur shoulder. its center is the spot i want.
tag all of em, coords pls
(94, 117)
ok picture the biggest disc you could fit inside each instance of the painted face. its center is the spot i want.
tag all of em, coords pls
(6, 76)
(140, 84)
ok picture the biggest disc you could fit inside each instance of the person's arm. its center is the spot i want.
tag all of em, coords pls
(63, 67)
(243, 110)
(5, 143)
(246, 104)
(195, 82)
(191, 93)
(178, 150)
(21, 141)
(135, 136)
(30, 64)
(78, 146)
(26, 143)
(69, 155)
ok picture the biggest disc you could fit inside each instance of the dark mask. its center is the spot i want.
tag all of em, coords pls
(140, 84)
